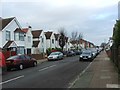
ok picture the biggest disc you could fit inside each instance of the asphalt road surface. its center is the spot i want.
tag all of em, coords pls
(51, 74)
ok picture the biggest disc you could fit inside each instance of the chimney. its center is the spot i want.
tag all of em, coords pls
(30, 28)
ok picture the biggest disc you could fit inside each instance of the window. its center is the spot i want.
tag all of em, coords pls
(21, 36)
(52, 41)
(29, 39)
(27, 57)
(7, 35)
(16, 36)
(20, 50)
(42, 40)
(22, 57)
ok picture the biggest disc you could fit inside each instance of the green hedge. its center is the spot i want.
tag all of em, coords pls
(116, 34)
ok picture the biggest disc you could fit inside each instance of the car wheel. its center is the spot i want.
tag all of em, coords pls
(21, 66)
(34, 64)
(8, 69)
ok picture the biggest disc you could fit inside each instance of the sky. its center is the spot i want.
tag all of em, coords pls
(93, 18)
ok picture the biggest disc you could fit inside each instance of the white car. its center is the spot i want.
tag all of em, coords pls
(55, 56)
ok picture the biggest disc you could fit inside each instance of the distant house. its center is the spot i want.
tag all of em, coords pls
(39, 42)
(12, 35)
(50, 40)
(28, 39)
(82, 44)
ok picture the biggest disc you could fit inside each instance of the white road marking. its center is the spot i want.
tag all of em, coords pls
(112, 86)
(47, 67)
(71, 84)
(11, 79)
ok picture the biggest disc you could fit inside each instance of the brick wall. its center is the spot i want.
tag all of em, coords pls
(38, 56)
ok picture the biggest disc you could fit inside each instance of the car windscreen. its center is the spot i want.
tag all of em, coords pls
(86, 53)
(55, 53)
(13, 57)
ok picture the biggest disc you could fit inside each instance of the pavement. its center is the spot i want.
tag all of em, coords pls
(101, 73)
(42, 60)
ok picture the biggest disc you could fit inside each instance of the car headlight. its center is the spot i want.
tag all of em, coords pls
(89, 56)
(81, 56)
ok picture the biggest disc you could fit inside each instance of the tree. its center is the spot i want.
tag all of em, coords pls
(116, 34)
(62, 39)
(76, 37)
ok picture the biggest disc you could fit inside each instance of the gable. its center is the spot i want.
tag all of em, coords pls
(35, 43)
(5, 22)
(36, 33)
(48, 35)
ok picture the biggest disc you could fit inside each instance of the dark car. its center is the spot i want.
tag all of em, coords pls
(86, 56)
(20, 62)
(70, 53)
(77, 52)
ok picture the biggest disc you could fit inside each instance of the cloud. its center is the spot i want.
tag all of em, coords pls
(91, 17)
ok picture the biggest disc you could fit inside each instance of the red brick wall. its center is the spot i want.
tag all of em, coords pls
(37, 56)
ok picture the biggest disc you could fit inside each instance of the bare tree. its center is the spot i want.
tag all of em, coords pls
(62, 39)
(76, 37)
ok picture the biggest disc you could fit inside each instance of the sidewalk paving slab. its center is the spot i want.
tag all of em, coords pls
(101, 74)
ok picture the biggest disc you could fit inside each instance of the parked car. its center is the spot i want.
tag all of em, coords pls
(94, 51)
(20, 62)
(70, 53)
(2, 63)
(77, 52)
(86, 55)
(55, 56)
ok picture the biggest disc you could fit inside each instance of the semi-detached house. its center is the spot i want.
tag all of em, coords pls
(12, 37)
(28, 39)
(50, 40)
(39, 42)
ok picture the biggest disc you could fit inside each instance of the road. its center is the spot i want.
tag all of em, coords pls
(52, 74)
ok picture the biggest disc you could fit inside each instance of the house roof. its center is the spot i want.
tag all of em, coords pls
(56, 36)
(25, 30)
(19, 30)
(36, 33)
(5, 22)
(35, 43)
(73, 42)
(48, 34)
(8, 44)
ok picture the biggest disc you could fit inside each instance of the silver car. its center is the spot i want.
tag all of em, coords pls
(55, 56)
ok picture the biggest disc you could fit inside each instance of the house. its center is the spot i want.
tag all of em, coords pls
(83, 43)
(57, 40)
(67, 46)
(28, 39)
(12, 36)
(39, 42)
(50, 40)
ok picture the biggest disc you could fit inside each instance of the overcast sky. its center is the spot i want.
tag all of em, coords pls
(93, 18)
